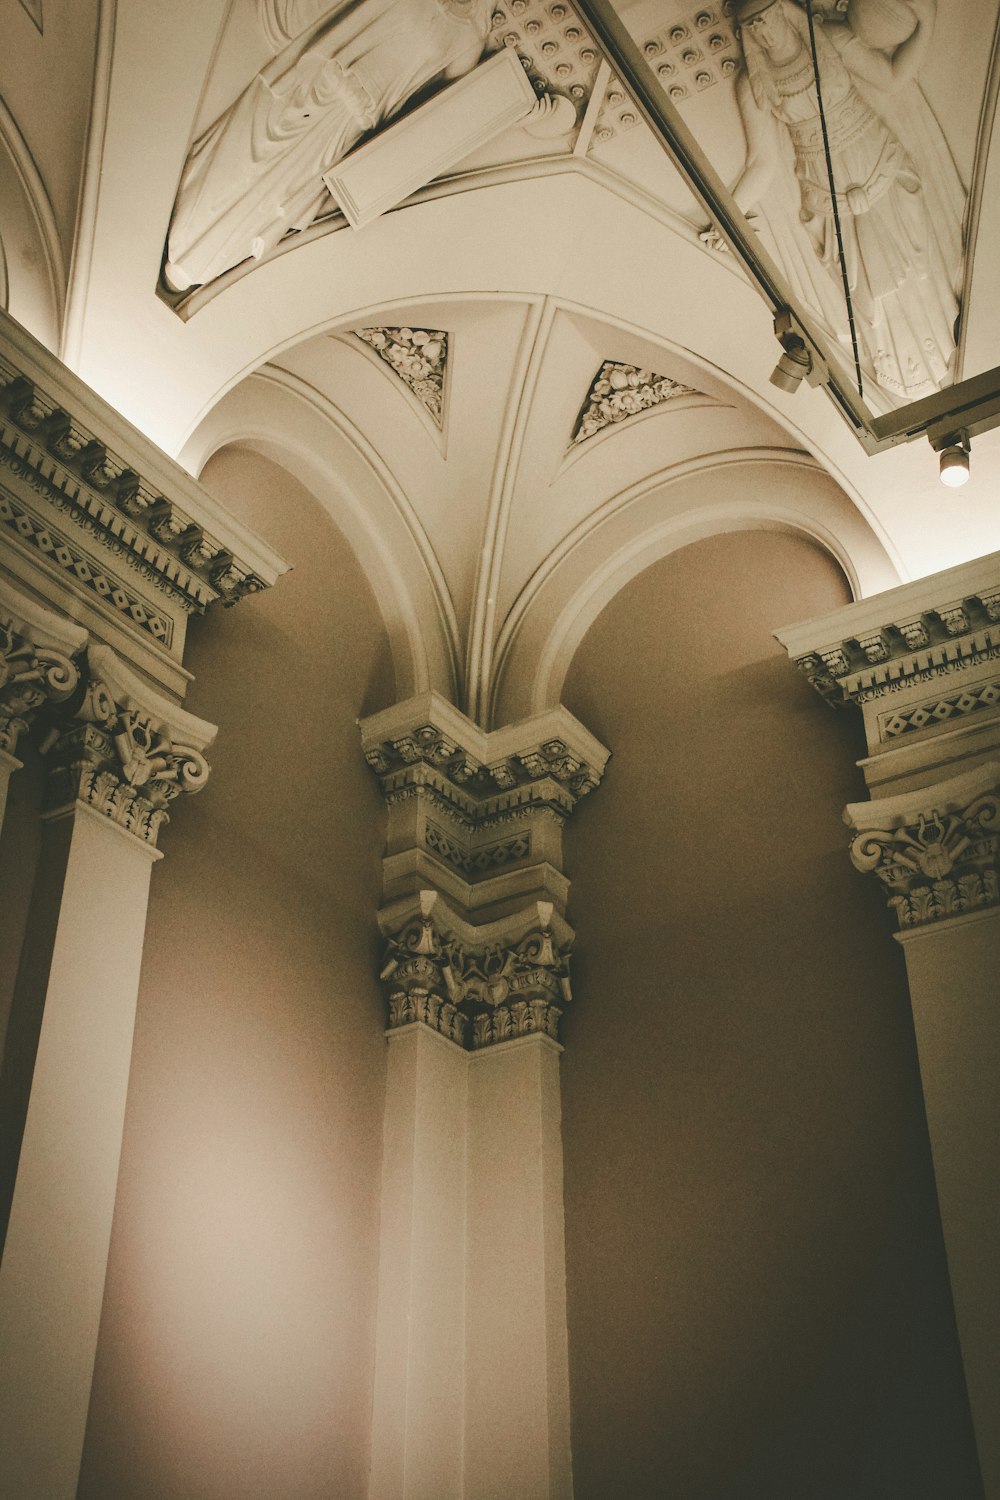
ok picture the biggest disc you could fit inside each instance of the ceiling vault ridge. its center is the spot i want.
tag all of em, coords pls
(85, 228)
(518, 402)
(300, 389)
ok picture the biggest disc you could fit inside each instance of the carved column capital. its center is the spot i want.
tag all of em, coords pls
(36, 662)
(474, 986)
(125, 751)
(935, 850)
(473, 881)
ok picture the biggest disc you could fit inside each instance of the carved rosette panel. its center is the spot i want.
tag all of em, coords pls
(476, 996)
(619, 391)
(123, 763)
(943, 865)
(419, 356)
(32, 675)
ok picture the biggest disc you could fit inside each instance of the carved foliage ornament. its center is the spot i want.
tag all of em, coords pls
(619, 391)
(31, 675)
(477, 996)
(122, 762)
(943, 865)
(419, 356)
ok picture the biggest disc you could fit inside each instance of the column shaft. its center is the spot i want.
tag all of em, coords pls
(419, 1343)
(517, 1360)
(80, 975)
(954, 974)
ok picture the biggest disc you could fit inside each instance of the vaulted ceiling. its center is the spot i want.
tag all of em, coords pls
(436, 376)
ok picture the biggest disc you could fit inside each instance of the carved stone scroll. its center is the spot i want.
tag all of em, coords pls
(126, 752)
(940, 860)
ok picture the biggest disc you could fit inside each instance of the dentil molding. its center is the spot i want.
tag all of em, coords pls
(91, 510)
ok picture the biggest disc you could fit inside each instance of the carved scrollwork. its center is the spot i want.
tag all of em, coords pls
(121, 760)
(943, 865)
(32, 674)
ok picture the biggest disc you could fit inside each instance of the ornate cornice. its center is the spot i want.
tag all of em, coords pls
(125, 751)
(118, 493)
(619, 391)
(427, 741)
(36, 662)
(918, 634)
(936, 850)
(477, 993)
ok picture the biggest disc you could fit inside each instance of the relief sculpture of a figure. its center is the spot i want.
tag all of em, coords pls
(258, 171)
(898, 193)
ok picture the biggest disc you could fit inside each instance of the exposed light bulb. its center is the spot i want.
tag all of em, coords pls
(954, 465)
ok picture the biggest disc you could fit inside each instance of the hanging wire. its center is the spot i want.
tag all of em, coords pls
(833, 199)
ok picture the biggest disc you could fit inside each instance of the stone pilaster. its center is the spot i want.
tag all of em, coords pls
(471, 1368)
(922, 662)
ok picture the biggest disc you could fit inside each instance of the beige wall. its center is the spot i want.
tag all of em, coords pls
(235, 1356)
(758, 1302)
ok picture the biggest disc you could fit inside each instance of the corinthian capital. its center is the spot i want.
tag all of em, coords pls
(36, 662)
(935, 850)
(127, 752)
(477, 987)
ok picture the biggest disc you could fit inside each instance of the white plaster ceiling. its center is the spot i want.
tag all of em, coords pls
(541, 260)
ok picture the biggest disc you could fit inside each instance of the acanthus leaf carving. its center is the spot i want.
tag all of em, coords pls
(942, 864)
(476, 994)
(33, 673)
(120, 757)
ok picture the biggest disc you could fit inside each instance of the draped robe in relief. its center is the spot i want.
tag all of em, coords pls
(900, 201)
(257, 172)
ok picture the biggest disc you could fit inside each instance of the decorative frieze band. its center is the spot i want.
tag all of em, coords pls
(477, 993)
(936, 850)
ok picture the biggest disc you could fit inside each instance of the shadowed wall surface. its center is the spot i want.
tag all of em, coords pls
(235, 1356)
(759, 1305)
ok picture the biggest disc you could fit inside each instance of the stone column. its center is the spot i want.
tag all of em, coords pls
(118, 762)
(472, 1382)
(923, 664)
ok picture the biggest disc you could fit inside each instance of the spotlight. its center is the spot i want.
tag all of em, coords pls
(798, 362)
(955, 461)
(794, 364)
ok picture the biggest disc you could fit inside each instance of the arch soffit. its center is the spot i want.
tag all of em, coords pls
(273, 413)
(36, 272)
(630, 532)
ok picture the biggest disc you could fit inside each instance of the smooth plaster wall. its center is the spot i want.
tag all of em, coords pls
(235, 1355)
(758, 1301)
